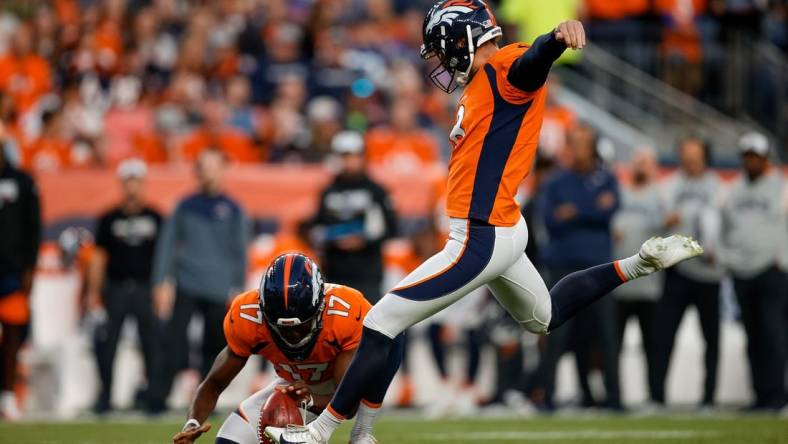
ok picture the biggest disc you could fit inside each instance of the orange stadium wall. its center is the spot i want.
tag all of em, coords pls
(286, 194)
(282, 193)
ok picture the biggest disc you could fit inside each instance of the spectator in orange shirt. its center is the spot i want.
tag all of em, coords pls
(24, 75)
(51, 151)
(402, 145)
(681, 43)
(67, 11)
(214, 133)
(108, 43)
(558, 120)
(615, 9)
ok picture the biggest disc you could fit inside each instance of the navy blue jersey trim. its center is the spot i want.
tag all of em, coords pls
(498, 144)
(475, 258)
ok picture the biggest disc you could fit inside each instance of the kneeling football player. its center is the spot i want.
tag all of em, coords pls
(307, 329)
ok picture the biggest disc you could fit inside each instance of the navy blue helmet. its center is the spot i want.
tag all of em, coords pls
(453, 30)
(291, 299)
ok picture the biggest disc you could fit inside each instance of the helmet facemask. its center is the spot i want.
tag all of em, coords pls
(295, 333)
(454, 71)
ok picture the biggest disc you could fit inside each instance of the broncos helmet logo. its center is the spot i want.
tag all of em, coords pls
(446, 16)
(452, 31)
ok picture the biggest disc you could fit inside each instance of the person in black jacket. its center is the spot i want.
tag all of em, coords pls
(20, 235)
(355, 216)
(119, 277)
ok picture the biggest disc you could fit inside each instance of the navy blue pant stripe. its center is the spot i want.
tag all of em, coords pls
(477, 254)
(498, 144)
(225, 441)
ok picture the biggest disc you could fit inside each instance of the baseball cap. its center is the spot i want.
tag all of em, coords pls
(323, 109)
(347, 142)
(754, 142)
(132, 168)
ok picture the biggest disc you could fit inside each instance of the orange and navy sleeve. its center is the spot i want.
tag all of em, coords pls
(349, 328)
(238, 332)
(503, 64)
(529, 71)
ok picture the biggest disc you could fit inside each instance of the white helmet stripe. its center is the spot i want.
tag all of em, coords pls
(315, 284)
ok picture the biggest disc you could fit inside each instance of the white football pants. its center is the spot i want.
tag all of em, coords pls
(476, 254)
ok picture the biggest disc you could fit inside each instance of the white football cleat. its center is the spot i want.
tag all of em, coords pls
(661, 253)
(292, 434)
(9, 409)
(466, 404)
(365, 438)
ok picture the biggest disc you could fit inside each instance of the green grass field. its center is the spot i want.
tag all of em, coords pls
(607, 430)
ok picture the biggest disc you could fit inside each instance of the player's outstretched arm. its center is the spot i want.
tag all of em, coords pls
(226, 367)
(529, 72)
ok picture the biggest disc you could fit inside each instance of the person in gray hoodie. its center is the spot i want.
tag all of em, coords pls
(202, 251)
(641, 215)
(692, 195)
(755, 246)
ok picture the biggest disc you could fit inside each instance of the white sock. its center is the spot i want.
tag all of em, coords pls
(325, 424)
(633, 267)
(365, 419)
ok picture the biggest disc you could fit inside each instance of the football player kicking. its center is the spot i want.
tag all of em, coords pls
(307, 329)
(494, 141)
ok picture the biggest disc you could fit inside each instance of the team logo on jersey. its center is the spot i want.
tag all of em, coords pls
(457, 133)
(9, 191)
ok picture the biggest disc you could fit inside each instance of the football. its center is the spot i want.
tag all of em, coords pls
(279, 411)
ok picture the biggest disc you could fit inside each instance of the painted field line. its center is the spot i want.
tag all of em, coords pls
(590, 434)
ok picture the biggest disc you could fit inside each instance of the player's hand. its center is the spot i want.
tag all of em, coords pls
(163, 299)
(351, 243)
(571, 33)
(298, 390)
(606, 200)
(191, 434)
(565, 212)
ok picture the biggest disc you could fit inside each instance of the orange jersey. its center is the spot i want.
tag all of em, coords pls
(494, 143)
(401, 151)
(25, 79)
(343, 316)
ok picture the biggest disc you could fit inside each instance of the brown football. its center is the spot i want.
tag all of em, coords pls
(279, 411)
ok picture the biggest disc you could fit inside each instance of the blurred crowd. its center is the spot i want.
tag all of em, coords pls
(92, 83)
(123, 84)
(89, 83)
